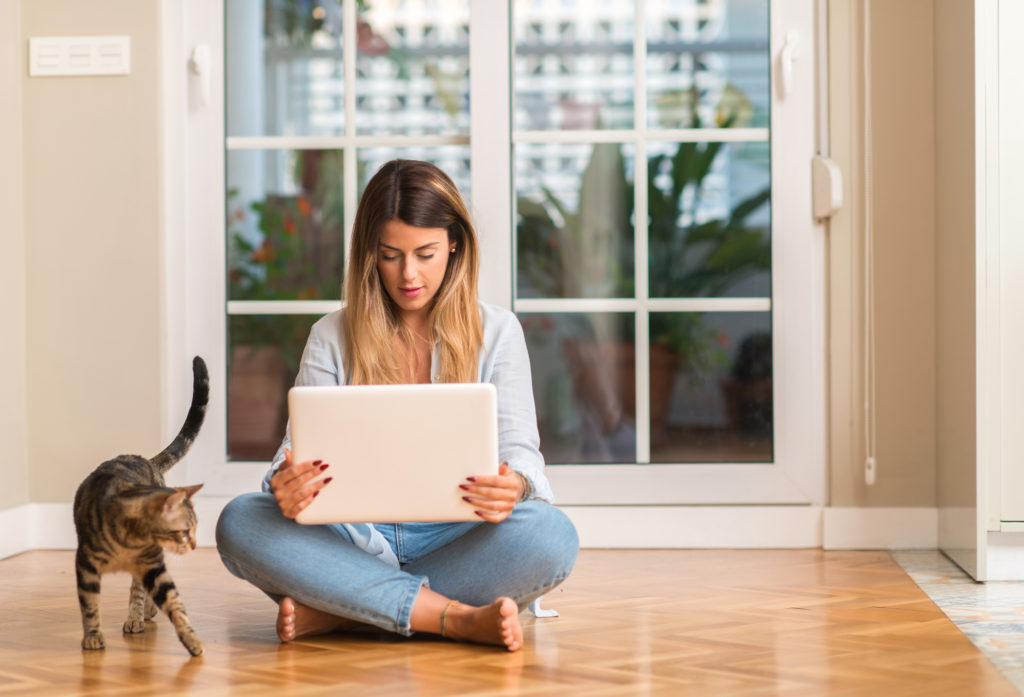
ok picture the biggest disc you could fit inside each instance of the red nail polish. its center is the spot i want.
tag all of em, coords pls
(467, 499)
(317, 462)
(323, 467)
(316, 493)
(463, 486)
(470, 479)
(327, 481)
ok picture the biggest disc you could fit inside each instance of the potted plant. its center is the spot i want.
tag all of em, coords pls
(294, 252)
(589, 253)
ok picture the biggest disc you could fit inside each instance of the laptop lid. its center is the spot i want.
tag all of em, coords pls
(397, 452)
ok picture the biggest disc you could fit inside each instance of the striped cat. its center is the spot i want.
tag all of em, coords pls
(126, 516)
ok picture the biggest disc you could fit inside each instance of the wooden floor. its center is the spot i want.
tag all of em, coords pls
(715, 623)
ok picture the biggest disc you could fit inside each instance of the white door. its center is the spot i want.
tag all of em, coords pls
(640, 176)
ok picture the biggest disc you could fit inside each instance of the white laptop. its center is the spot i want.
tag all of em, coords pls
(397, 452)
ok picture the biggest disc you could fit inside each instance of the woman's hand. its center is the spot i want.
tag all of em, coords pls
(293, 486)
(494, 495)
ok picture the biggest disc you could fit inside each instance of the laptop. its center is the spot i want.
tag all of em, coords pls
(397, 452)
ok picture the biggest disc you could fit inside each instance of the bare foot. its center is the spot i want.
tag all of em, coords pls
(497, 623)
(295, 620)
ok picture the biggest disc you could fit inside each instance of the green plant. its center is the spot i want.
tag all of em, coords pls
(588, 252)
(295, 253)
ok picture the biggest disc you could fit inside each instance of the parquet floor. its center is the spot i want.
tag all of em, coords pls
(700, 622)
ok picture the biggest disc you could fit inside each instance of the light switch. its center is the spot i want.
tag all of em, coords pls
(79, 55)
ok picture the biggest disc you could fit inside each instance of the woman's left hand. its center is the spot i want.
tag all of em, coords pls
(494, 495)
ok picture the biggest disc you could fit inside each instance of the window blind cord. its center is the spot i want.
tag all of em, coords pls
(870, 417)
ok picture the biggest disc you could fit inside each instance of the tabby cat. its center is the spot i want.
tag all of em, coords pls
(125, 516)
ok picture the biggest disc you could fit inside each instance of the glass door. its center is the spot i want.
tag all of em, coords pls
(641, 183)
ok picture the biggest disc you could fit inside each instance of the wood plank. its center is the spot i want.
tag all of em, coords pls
(657, 622)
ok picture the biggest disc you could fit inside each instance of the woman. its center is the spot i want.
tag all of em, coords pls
(411, 316)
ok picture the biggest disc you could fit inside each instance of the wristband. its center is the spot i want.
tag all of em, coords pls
(527, 486)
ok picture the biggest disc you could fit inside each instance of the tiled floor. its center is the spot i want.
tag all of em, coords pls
(990, 614)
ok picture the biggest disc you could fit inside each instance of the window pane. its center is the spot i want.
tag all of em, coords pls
(263, 359)
(284, 68)
(574, 223)
(584, 385)
(711, 387)
(452, 159)
(285, 223)
(707, 64)
(573, 64)
(413, 68)
(710, 221)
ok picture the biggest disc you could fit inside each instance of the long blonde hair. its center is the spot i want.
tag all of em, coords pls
(419, 194)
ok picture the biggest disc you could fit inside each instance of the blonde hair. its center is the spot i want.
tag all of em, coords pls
(419, 194)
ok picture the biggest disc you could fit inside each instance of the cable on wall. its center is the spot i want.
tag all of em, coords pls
(870, 415)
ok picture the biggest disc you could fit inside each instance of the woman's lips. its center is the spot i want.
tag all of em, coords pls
(411, 292)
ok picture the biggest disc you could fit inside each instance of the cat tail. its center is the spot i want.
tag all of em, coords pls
(190, 429)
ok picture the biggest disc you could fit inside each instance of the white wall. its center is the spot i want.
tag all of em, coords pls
(13, 419)
(92, 264)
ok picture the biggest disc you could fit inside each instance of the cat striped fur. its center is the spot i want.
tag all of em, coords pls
(126, 516)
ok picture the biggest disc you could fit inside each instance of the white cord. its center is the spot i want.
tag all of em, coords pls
(870, 463)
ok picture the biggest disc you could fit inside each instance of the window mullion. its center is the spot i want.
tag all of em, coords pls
(640, 250)
(350, 158)
(490, 131)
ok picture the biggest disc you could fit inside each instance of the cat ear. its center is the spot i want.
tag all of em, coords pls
(190, 491)
(181, 493)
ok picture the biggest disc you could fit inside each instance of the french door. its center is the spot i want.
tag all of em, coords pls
(639, 172)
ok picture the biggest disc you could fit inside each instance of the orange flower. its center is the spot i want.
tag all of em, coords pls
(304, 206)
(263, 255)
(289, 227)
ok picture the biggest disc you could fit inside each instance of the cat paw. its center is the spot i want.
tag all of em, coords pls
(134, 626)
(194, 646)
(93, 641)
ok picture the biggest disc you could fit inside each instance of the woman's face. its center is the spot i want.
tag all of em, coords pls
(411, 262)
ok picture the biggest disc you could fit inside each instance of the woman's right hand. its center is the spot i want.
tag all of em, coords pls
(293, 484)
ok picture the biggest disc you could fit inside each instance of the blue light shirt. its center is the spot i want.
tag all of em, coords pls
(504, 362)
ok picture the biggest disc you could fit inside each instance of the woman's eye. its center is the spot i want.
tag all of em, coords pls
(426, 256)
(385, 257)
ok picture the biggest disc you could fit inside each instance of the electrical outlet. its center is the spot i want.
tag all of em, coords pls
(79, 55)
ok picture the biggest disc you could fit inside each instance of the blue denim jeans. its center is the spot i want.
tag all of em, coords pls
(523, 557)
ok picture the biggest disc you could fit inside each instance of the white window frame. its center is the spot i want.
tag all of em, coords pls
(194, 262)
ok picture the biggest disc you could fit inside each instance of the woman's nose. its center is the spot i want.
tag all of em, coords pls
(409, 269)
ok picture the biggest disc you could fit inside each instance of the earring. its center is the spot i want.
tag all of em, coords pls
(452, 250)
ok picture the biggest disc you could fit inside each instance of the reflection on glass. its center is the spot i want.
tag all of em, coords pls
(413, 67)
(709, 220)
(573, 64)
(284, 72)
(574, 223)
(284, 224)
(707, 65)
(711, 387)
(263, 359)
(452, 159)
(584, 385)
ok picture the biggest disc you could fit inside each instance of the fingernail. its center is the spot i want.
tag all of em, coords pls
(316, 493)
(467, 499)
(322, 467)
(463, 486)
(317, 462)
(470, 479)
(327, 481)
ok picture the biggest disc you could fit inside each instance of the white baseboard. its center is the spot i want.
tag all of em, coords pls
(50, 526)
(1005, 555)
(37, 526)
(697, 527)
(881, 528)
